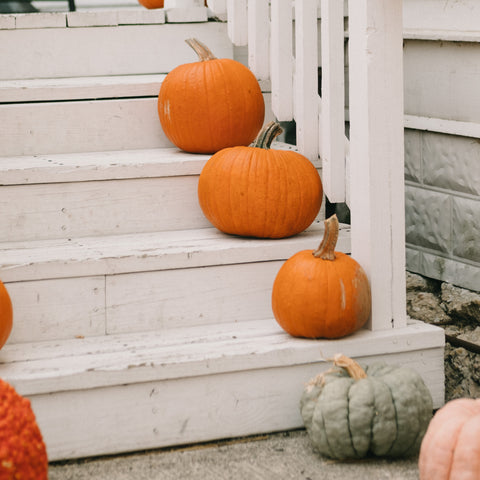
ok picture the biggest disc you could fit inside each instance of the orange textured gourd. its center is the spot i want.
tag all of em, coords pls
(321, 293)
(260, 192)
(209, 105)
(22, 450)
(451, 447)
(6, 315)
(151, 3)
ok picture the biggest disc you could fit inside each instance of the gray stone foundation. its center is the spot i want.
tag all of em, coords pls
(457, 310)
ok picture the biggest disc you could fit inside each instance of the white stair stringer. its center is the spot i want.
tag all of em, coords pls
(112, 394)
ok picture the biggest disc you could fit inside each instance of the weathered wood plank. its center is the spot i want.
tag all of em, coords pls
(80, 88)
(184, 297)
(80, 126)
(110, 255)
(57, 309)
(101, 51)
(70, 210)
(174, 354)
(111, 165)
(225, 405)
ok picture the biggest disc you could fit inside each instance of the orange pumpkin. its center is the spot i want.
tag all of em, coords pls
(211, 104)
(451, 447)
(151, 3)
(6, 315)
(321, 293)
(260, 192)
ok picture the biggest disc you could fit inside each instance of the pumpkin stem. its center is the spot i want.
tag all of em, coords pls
(267, 135)
(326, 249)
(351, 366)
(201, 49)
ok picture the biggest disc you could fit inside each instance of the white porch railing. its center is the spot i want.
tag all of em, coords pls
(366, 171)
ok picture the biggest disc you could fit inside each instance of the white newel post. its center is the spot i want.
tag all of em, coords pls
(376, 154)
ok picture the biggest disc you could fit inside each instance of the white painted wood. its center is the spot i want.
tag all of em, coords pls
(40, 20)
(204, 350)
(281, 56)
(377, 164)
(136, 16)
(80, 88)
(92, 19)
(186, 15)
(439, 35)
(57, 309)
(113, 255)
(103, 51)
(332, 117)
(306, 97)
(450, 15)
(81, 126)
(218, 8)
(259, 38)
(7, 22)
(181, 298)
(110, 165)
(82, 167)
(237, 21)
(69, 210)
(226, 405)
(109, 375)
(440, 125)
(440, 78)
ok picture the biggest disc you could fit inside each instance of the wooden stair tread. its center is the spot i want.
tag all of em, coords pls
(109, 255)
(75, 364)
(93, 166)
(80, 88)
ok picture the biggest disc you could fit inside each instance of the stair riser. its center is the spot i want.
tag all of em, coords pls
(80, 209)
(136, 302)
(116, 50)
(83, 126)
(187, 410)
(80, 126)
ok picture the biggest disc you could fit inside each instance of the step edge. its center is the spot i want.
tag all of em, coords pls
(96, 256)
(212, 360)
(99, 166)
(80, 88)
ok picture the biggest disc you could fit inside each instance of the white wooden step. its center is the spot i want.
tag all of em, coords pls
(137, 391)
(144, 282)
(82, 114)
(103, 193)
(113, 42)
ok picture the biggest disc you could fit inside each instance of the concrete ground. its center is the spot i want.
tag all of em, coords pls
(287, 455)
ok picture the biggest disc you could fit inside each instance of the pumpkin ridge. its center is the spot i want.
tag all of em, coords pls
(399, 449)
(395, 417)
(378, 386)
(350, 433)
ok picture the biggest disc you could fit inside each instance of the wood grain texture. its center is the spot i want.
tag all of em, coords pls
(108, 50)
(110, 255)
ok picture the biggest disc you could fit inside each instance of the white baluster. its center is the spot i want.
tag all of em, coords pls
(237, 21)
(376, 150)
(281, 55)
(332, 118)
(259, 38)
(306, 97)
